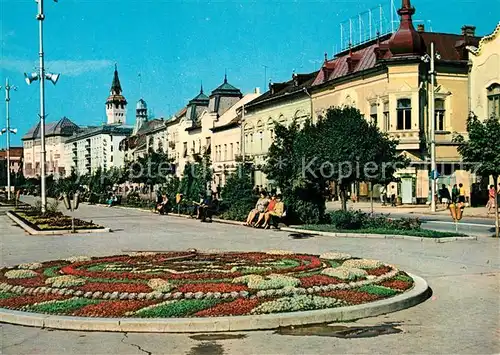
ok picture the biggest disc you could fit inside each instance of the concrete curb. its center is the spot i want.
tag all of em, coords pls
(418, 294)
(33, 231)
(375, 236)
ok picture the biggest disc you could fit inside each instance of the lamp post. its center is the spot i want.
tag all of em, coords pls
(431, 58)
(8, 130)
(41, 75)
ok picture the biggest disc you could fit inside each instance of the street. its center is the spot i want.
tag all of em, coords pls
(461, 317)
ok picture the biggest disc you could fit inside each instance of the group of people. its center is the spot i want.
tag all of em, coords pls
(457, 194)
(266, 208)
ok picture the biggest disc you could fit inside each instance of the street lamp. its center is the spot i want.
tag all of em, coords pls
(426, 59)
(41, 75)
(8, 130)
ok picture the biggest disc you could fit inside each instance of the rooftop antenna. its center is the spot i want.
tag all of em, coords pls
(140, 85)
(265, 74)
(392, 16)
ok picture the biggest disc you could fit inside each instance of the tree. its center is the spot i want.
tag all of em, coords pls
(151, 169)
(343, 147)
(196, 178)
(237, 194)
(482, 151)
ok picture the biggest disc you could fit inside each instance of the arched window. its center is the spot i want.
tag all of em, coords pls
(404, 114)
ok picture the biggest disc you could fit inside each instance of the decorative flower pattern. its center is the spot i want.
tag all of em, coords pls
(197, 284)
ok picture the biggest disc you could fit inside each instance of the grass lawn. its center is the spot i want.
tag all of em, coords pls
(421, 233)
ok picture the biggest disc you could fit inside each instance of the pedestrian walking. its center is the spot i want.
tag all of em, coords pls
(491, 198)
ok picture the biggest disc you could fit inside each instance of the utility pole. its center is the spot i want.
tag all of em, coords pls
(7, 130)
(433, 131)
(42, 75)
(43, 154)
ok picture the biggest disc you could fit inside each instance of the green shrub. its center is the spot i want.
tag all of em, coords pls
(238, 198)
(352, 220)
(377, 290)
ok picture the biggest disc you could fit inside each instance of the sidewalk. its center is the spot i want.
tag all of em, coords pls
(472, 212)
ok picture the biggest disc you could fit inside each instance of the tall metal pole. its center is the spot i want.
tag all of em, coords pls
(7, 114)
(40, 17)
(433, 132)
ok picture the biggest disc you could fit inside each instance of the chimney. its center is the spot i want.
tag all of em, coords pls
(421, 28)
(257, 91)
(469, 30)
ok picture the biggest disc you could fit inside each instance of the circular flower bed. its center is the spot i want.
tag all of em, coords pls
(195, 284)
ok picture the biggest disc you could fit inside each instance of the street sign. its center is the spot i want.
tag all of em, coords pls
(433, 174)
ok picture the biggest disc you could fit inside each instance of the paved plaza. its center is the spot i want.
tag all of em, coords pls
(461, 316)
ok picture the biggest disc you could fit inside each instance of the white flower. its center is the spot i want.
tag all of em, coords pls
(335, 256)
(65, 281)
(30, 266)
(160, 285)
(142, 253)
(344, 273)
(279, 252)
(20, 274)
(76, 259)
(297, 303)
(362, 263)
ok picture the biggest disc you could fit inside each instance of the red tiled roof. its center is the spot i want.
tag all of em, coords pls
(365, 57)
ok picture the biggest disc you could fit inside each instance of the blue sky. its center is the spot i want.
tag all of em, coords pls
(177, 44)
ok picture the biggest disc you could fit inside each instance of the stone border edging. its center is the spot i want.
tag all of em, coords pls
(375, 236)
(33, 231)
(419, 293)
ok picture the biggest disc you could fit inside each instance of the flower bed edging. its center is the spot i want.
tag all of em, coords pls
(375, 236)
(33, 231)
(418, 294)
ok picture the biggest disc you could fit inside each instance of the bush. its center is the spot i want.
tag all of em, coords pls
(348, 220)
(238, 198)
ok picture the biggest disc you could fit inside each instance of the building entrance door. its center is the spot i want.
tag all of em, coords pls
(407, 190)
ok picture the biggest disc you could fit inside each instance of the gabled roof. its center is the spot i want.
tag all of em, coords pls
(63, 127)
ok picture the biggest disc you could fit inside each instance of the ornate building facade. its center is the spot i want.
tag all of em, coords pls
(56, 134)
(389, 82)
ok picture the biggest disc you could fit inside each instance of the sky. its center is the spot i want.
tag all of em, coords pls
(165, 49)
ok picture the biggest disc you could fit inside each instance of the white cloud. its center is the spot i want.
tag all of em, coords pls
(64, 67)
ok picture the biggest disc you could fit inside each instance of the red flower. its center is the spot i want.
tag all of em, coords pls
(397, 284)
(350, 296)
(382, 270)
(111, 308)
(318, 280)
(237, 307)
(19, 301)
(212, 287)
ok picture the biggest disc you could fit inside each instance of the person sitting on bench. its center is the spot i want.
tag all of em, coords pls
(162, 206)
(269, 208)
(260, 208)
(277, 212)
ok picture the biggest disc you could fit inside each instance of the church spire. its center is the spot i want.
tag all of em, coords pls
(116, 88)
